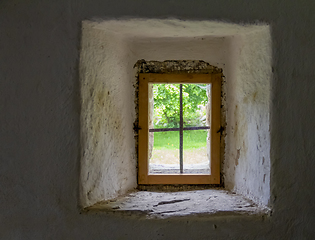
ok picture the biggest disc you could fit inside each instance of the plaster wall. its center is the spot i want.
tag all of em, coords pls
(108, 148)
(244, 55)
(40, 121)
(248, 77)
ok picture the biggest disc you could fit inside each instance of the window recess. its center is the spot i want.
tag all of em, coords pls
(200, 168)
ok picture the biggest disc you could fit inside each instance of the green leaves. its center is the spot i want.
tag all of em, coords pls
(167, 105)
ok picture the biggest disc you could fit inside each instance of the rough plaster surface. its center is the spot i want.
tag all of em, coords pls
(247, 159)
(40, 126)
(199, 203)
(243, 52)
(108, 147)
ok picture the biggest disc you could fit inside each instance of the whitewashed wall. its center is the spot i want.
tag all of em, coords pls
(40, 120)
(243, 52)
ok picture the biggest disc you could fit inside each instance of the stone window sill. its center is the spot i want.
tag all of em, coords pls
(200, 203)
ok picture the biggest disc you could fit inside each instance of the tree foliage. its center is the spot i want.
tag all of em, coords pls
(167, 105)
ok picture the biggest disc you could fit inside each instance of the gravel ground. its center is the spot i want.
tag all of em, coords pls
(191, 156)
(167, 161)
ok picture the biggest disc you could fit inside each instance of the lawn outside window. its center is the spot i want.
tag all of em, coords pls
(145, 176)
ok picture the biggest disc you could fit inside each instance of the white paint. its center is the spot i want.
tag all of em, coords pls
(109, 50)
(171, 28)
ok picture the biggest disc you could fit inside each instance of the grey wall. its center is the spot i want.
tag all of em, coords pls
(39, 106)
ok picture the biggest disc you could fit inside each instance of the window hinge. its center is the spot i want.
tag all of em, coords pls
(220, 130)
(136, 127)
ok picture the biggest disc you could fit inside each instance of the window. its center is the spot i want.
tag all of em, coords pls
(182, 176)
(108, 121)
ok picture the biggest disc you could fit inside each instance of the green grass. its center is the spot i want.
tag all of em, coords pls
(170, 140)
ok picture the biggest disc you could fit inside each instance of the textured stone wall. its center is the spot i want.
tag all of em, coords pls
(176, 66)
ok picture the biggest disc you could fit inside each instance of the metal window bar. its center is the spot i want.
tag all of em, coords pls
(180, 129)
(177, 129)
(181, 163)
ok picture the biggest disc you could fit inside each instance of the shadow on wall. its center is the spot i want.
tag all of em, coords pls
(108, 52)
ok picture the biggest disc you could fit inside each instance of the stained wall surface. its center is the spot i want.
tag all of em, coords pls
(109, 50)
(108, 159)
(248, 78)
(40, 121)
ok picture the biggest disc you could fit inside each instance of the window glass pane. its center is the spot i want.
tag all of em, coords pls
(164, 114)
(165, 154)
(196, 152)
(196, 105)
(196, 143)
(166, 105)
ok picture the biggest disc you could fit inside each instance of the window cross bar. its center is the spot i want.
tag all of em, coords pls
(177, 129)
(180, 129)
(181, 162)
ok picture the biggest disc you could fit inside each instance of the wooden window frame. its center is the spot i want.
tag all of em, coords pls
(185, 78)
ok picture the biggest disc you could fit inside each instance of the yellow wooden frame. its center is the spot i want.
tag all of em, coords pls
(143, 171)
